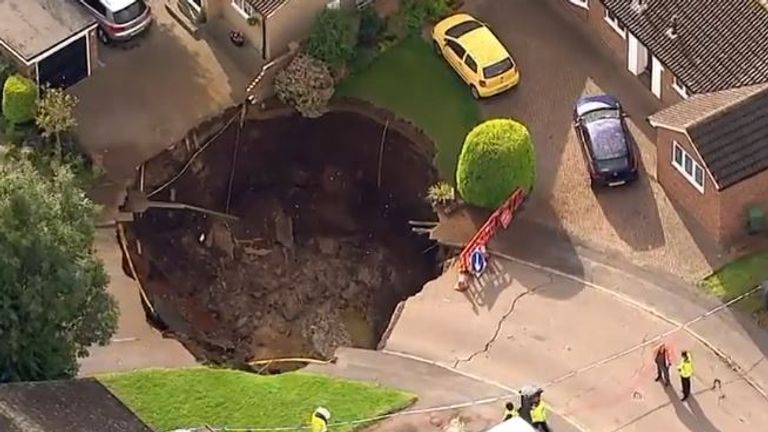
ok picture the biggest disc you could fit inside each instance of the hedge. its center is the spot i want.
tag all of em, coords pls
(19, 98)
(333, 37)
(497, 157)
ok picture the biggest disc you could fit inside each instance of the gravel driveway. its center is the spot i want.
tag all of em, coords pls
(560, 62)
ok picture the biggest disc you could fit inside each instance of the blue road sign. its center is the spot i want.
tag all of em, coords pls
(477, 261)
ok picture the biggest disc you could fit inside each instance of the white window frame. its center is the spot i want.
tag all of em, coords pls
(245, 9)
(679, 87)
(195, 6)
(613, 22)
(680, 167)
(584, 4)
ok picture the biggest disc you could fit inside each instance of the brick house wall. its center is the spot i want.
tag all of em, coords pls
(735, 202)
(704, 207)
(669, 96)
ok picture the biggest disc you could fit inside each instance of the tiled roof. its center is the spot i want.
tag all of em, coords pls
(76, 405)
(729, 130)
(699, 107)
(720, 44)
(268, 7)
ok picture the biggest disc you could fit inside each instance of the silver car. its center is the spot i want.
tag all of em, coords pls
(119, 20)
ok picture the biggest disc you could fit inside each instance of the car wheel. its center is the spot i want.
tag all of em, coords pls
(475, 93)
(103, 36)
(436, 47)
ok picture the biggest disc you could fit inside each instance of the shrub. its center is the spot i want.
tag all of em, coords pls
(333, 37)
(416, 12)
(306, 84)
(440, 193)
(19, 97)
(371, 28)
(497, 158)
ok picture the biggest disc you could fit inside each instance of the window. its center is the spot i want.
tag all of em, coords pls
(680, 88)
(463, 28)
(499, 68)
(98, 6)
(613, 22)
(470, 62)
(130, 13)
(245, 8)
(580, 3)
(689, 168)
(456, 48)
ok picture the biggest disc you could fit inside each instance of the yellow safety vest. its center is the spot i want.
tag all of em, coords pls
(508, 414)
(685, 368)
(318, 424)
(539, 413)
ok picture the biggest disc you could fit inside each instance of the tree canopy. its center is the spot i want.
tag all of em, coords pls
(497, 158)
(53, 298)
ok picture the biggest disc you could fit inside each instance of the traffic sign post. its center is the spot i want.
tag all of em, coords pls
(477, 261)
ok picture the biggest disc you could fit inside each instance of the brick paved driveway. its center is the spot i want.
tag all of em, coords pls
(559, 62)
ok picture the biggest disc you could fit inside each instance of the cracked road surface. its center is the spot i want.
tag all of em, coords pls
(520, 325)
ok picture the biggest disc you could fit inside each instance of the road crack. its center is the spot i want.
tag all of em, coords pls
(500, 324)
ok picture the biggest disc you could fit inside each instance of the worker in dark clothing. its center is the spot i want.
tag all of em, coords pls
(510, 411)
(685, 369)
(539, 417)
(662, 364)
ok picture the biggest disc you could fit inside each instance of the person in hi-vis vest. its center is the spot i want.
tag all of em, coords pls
(685, 369)
(320, 419)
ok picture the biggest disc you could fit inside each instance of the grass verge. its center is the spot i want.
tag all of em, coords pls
(738, 277)
(416, 84)
(179, 398)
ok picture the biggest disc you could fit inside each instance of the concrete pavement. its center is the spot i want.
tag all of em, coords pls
(436, 387)
(136, 345)
(528, 324)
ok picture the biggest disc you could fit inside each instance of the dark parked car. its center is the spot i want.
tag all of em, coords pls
(606, 144)
(119, 20)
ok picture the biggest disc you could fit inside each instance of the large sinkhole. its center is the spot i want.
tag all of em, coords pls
(322, 252)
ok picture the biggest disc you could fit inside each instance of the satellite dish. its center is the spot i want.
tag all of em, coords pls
(639, 6)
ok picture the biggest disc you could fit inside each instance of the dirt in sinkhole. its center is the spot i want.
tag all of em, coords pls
(320, 256)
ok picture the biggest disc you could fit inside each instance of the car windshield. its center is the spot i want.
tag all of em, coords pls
(606, 134)
(499, 68)
(462, 28)
(130, 13)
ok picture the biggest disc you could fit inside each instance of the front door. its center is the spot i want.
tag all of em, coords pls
(454, 53)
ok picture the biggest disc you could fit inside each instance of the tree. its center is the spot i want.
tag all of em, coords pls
(53, 298)
(497, 158)
(333, 37)
(306, 84)
(55, 114)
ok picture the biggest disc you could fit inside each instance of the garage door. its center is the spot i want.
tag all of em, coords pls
(66, 66)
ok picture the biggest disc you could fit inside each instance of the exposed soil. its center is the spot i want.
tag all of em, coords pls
(320, 256)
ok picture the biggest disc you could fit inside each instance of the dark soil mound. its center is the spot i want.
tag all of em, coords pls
(320, 256)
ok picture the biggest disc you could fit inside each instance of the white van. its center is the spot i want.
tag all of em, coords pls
(515, 424)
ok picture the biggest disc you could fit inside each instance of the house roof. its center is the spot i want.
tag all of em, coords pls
(720, 44)
(57, 406)
(31, 27)
(267, 7)
(729, 129)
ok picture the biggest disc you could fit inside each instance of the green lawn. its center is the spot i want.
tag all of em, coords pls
(413, 82)
(737, 278)
(171, 399)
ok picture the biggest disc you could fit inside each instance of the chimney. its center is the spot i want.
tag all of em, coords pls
(672, 30)
(639, 6)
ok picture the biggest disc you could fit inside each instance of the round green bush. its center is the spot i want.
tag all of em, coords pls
(497, 158)
(19, 98)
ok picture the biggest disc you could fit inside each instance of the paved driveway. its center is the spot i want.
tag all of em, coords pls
(559, 63)
(149, 92)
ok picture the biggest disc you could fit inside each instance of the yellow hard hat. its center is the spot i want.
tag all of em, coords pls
(323, 412)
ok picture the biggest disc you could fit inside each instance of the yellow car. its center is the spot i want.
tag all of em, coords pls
(476, 54)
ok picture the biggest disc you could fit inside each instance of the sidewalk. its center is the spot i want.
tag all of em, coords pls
(434, 385)
(527, 324)
(136, 345)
